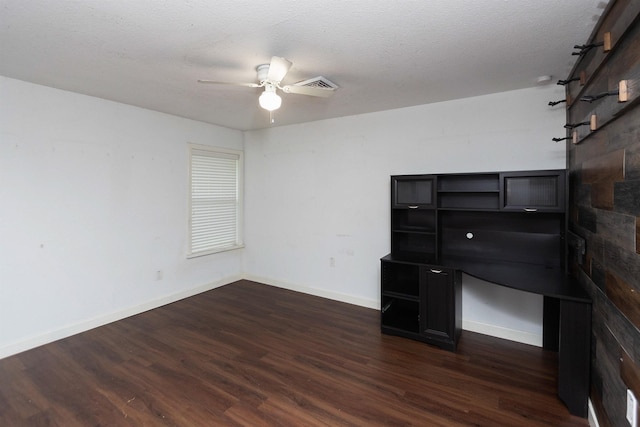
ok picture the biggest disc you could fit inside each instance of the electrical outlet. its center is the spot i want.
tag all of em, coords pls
(632, 409)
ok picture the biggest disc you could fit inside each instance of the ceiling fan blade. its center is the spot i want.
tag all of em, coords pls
(308, 90)
(230, 83)
(278, 68)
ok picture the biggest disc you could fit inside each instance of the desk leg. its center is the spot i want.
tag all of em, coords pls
(551, 324)
(574, 356)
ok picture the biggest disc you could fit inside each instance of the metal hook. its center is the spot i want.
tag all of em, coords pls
(553, 103)
(566, 82)
(591, 98)
(572, 126)
(584, 48)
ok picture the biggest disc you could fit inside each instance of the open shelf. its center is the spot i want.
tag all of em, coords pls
(469, 191)
(488, 200)
(401, 314)
(414, 246)
(469, 182)
(414, 220)
(401, 279)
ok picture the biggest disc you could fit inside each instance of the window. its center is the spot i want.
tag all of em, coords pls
(215, 195)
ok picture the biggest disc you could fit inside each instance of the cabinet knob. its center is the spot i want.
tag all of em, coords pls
(412, 207)
(530, 210)
(433, 270)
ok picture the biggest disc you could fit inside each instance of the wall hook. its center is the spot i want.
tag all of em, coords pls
(554, 103)
(584, 48)
(592, 123)
(575, 125)
(591, 98)
(566, 82)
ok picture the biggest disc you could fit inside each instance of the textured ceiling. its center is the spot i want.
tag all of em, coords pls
(382, 54)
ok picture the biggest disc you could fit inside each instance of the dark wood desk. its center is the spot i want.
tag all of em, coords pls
(508, 228)
(566, 318)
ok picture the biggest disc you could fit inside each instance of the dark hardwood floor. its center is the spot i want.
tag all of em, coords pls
(248, 354)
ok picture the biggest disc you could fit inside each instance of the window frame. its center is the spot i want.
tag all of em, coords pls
(217, 153)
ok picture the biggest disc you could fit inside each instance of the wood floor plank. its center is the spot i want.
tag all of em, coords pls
(248, 354)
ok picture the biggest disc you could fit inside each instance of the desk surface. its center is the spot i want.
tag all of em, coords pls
(551, 282)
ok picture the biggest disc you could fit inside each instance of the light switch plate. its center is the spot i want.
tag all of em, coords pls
(632, 409)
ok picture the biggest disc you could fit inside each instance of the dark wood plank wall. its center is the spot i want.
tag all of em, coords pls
(604, 171)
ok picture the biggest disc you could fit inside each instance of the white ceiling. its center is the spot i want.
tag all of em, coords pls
(382, 54)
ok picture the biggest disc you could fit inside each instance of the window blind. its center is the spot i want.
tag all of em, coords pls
(215, 201)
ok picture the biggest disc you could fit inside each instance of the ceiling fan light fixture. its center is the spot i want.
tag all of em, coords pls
(270, 100)
(269, 77)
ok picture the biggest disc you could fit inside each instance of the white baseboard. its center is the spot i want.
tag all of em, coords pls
(501, 332)
(482, 328)
(47, 337)
(67, 331)
(593, 418)
(336, 296)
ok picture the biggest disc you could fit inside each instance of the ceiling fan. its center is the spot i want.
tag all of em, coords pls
(269, 76)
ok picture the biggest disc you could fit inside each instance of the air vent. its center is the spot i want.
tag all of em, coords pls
(318, 82)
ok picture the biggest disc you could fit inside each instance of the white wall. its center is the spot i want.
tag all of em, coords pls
(317, 195)
(93, 203)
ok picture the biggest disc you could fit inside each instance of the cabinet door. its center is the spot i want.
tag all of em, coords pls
(438, 303)
(534, 191)
(413, 191)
